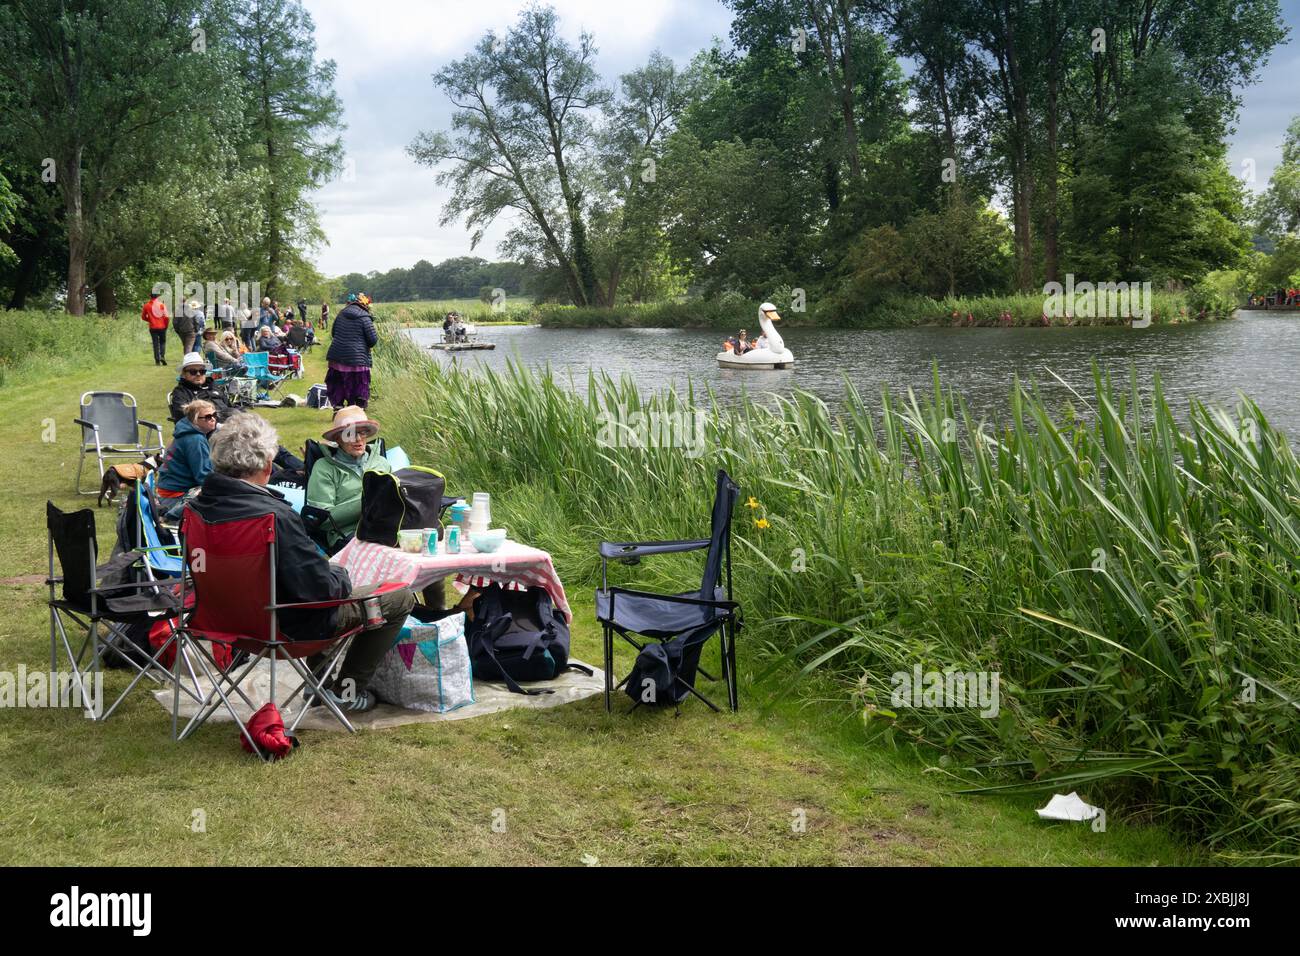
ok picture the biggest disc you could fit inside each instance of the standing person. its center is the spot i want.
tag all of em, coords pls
(267, 315)
(324, 315)
(155, 313)
(247, 327)
(226, 313)
(302, 310)
(185, 327)
(348, 379)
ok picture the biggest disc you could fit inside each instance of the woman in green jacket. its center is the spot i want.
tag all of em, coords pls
(335, 483)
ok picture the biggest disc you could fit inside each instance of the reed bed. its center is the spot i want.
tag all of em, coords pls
(1131, 579)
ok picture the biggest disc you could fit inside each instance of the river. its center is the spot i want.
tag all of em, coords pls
(1257, 353)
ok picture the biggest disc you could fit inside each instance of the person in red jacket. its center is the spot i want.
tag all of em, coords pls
(155, 313)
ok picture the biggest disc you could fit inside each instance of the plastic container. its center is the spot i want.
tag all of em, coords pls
(409, 541)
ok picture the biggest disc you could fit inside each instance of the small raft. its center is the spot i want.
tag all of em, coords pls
(462, 346)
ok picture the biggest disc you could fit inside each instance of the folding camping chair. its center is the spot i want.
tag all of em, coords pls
(284, 364)
(232, 568)
(258, 366)
(91, 600)
(694, 615)
(155, 541)
(110, 429)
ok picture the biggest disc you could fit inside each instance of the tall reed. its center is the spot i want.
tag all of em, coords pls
(1132, 579)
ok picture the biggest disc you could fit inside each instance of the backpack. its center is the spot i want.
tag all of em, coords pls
(517, 636)
(407, 499)
(654, 677)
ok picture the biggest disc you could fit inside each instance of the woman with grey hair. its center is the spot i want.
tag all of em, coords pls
(243, 456)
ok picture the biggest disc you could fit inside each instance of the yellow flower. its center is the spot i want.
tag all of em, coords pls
(752, 502)
(762, 523)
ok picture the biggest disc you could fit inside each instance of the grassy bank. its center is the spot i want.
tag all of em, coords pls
(1132, 583)
(732, 312)
(632, 789)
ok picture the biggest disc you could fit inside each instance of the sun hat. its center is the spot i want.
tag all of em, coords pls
(352, 416)
(193, 358)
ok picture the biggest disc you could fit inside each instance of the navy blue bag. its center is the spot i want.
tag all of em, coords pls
(517, 636)
(654, 678)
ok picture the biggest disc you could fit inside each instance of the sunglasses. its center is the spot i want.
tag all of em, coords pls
(207, 418)
(193, 371)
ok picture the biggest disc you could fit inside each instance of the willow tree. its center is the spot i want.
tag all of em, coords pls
(522, 139)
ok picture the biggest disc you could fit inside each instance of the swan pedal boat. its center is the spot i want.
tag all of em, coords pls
(775, 356)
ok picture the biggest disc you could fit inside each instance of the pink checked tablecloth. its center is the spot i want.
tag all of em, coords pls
(513, 565)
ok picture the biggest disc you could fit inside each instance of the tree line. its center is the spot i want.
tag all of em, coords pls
(462, 277)
(1029, 140)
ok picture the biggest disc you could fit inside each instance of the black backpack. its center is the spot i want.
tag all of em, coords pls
(654, 676)
(517, 636)
(403, 500)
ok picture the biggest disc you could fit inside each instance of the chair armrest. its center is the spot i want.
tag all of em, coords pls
(148, 424)
(634, 549)
(385, 588)
(86, 424)
(131, 586)
(675, 598)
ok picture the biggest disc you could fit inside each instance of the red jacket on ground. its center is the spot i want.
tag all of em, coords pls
(155, 313)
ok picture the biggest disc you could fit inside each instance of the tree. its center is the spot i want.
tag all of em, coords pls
(1278, 209)
(522, 140)
(96, 90)
(292, 127)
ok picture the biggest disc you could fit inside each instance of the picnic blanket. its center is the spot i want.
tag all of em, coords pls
(491, 697)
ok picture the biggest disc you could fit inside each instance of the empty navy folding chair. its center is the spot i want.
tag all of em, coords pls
(693, 616)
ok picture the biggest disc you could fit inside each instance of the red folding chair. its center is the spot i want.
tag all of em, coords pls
(232, 566)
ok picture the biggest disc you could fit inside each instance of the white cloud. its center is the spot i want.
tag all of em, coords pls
(387, 51)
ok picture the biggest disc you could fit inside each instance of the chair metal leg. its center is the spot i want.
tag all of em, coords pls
(609, 667)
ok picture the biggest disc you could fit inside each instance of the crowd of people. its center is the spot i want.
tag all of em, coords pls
(221, 462)
(1278, 298)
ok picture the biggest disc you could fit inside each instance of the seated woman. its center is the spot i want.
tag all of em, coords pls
(219, 353)
(187, 461)
(267, 341)
(335, 482)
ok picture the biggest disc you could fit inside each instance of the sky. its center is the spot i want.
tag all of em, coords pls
(384, 211)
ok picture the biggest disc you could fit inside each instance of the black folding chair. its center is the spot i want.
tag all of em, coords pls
(696, 614)
(110, 429)
(94, 600)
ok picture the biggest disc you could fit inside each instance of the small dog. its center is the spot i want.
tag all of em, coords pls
(128, 474)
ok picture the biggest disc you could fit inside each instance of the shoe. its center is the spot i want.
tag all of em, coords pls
(362, 703)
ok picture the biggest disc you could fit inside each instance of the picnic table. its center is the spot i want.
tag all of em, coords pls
(514, 566)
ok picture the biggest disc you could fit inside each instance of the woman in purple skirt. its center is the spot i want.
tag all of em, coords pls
(347, 382)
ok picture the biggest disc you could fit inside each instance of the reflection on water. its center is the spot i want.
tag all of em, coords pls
(1258, 353)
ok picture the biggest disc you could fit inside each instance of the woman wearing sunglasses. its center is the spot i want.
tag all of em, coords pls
(187, 461)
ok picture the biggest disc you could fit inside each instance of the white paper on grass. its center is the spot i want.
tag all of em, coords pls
(1068, 807)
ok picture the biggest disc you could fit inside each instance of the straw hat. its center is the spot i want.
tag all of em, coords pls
(351, 416)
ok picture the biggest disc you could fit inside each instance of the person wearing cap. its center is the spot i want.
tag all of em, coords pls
(335, 482)
(193, 383)
(347, 380)
(185, 324)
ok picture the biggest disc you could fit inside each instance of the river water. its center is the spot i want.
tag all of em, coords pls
(1257, 353)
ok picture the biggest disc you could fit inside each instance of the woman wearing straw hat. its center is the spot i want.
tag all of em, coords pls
(335, 482)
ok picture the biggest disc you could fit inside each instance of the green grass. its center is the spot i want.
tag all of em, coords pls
(1124, 575)
(641, 788)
